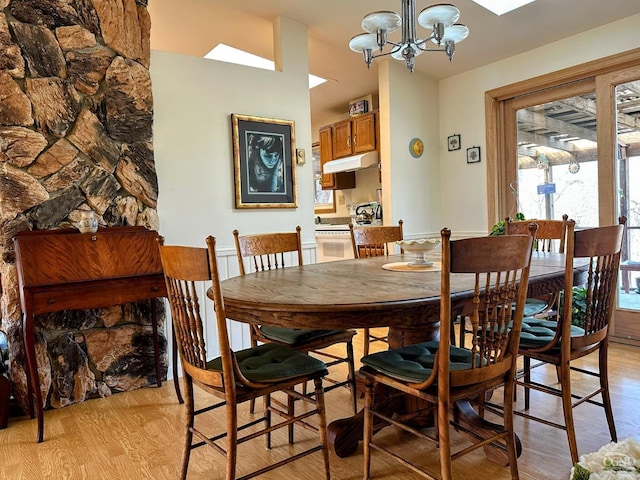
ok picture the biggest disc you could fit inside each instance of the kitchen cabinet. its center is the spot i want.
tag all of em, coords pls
(332, 181)
(354, 135)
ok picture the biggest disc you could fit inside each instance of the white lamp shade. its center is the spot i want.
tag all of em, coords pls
(455, 33)
(444, 13)
(363, 41)
(397, 54)
(381, 20)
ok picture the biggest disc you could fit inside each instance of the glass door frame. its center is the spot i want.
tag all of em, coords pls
(600, 76)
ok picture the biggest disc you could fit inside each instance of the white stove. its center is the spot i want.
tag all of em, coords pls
(333, 242)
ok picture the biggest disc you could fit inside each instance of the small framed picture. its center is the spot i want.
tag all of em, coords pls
(453, 142)
(473, 155)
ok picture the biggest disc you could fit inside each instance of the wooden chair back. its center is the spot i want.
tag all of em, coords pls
(267, 250)
(551, 233)
(602, 245)
(374, 241)
(496, 270)
(499, 281)
(188, 271)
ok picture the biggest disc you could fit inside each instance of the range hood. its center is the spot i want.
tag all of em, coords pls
(351, 164)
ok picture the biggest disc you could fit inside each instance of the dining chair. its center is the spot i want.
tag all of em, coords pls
(439, 373)
(550, 237)
(373, 241)
(267, 251)
(571, 335)
(234, 376)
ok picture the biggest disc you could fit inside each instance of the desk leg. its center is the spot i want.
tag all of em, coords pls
(156, 342)
(32, 372)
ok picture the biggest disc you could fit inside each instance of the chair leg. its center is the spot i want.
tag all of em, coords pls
(254, 343)
(365, 344)
(291, 409)
(509, 391)
(444, 440)
(267, 420)
(186, 452)
(322, 426)
(526, 366)
(352, 377)
(368, 429)
(565, 385)
(604, 385)
(232, 439)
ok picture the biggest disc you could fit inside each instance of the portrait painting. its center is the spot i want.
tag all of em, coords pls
(264, 170)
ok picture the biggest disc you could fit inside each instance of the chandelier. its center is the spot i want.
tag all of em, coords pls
(440, 19)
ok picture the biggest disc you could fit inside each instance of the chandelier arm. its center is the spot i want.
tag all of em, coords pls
(384, 54)
(421, 43)
(432, 49)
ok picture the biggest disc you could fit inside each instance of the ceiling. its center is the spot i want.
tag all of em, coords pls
(193, 27)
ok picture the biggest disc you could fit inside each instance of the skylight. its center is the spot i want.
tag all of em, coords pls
(502, 6)
(225, 53)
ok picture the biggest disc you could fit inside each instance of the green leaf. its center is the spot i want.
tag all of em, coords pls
(580, 473)
(498, 228)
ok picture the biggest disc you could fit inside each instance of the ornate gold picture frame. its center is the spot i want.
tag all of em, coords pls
(264, 170)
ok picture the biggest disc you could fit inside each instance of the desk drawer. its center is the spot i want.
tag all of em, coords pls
(82, 296)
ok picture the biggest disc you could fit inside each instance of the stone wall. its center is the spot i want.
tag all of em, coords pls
(76, 115)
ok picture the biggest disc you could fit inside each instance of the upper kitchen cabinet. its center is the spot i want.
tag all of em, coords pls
(332, 181)
(354, 135)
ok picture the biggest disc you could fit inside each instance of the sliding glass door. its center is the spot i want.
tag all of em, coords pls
(625, 90)
(572, 145)
(557, 154)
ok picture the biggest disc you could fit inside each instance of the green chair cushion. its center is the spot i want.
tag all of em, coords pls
(270, 363)
(539, 332)
(414, 363)
(294, 336)
(533, 306)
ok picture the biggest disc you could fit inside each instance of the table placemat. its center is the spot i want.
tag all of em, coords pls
(406, 267)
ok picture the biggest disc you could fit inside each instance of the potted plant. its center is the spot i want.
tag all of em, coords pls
(498, 228)
(578, 306)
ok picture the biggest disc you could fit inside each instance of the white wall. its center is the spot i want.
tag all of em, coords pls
(410, 186)
(194, 99)
(463, 186)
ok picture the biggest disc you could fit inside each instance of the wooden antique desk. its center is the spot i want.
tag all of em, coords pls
(360, 293)
(67, 270)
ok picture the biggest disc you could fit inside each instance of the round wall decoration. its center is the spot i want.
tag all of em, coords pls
(574, 167)
(416, 147)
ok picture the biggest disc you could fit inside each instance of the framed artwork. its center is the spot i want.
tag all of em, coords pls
(453, 142)
(263, 158)
(473, 155)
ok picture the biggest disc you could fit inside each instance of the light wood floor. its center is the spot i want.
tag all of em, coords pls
(139, 435)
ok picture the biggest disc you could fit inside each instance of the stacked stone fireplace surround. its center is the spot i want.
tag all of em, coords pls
(76, 117)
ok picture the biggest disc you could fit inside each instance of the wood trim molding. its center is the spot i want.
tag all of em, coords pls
(496, 107)
(612, 63)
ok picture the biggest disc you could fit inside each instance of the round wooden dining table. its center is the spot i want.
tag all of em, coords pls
(370, 292)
